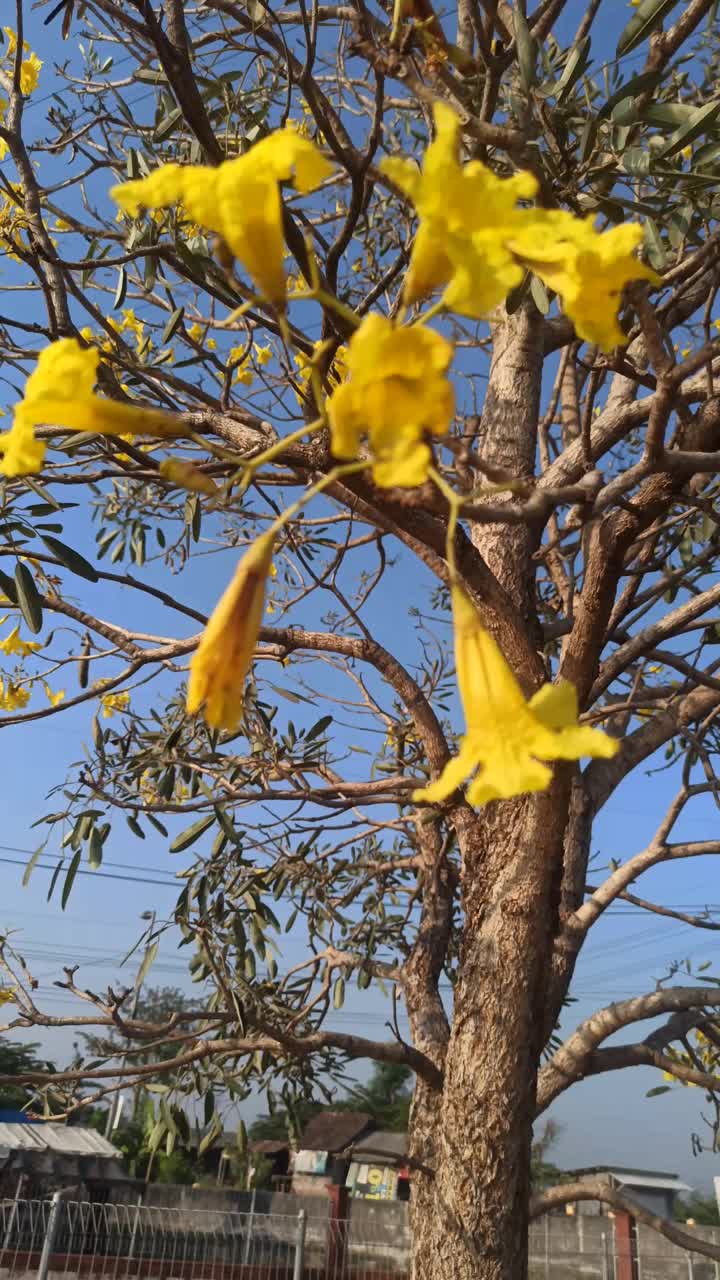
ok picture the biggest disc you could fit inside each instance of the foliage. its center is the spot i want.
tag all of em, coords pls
(15, 1060)
(425, 478)
(702, 1209)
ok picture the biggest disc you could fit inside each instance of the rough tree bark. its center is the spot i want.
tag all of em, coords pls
(470, 1144)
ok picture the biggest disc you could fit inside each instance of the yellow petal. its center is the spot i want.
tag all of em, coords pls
(187, 476)
(224, 656)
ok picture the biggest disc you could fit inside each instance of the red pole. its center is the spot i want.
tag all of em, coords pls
(625, 1263)
(338, 1222)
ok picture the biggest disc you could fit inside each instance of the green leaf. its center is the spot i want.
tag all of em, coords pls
(212, 1134)
(647, 18)
(539, 295)
(526, 50)
(70, 878)
(167, 124)
(95, 849)
(630, 89)
(157, 824)
(672, 114)
(121, 289)
(339, 993)
(70, 558)
(636, 162)
(135, 827)
(697, 124)
(659, 1088)
(318, 728)
(172, 325)
(31, 865)
(28, 598)
(654, 246)
(241, 1138)
(191, 834)
(7, 586)
(574, 67)
(148, 958)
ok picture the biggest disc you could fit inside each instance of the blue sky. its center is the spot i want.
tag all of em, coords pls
(604, 1120)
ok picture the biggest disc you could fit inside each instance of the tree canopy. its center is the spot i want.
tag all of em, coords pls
(360, 488)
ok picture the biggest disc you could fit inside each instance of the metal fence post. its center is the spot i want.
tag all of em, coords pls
(603, 1239)
(691, 1269)
(547, 1247)
(50, 1233)
(249, 1225)
(300, 1245)
(14, 1211)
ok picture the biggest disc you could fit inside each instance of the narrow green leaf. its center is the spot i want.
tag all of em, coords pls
(70, 558)
(7, 586)
(172, 325)
(31, 865)
(647, 18)
(70, 878)
(318, 728)
(121, 290)
(148, 958)
(135, 827)
(241, 1138)
(167, 124)
(659, 1088)
(191, 834)
(539, 295)
(693, 128)
(339, 993)
(672, 114)
(157, 824)
(95, 850)
(630, 89)
(28, 598)
(526, 50)
(54, 878)
(574, 67)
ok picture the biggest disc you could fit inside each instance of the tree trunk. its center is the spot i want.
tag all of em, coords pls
(471, 1179)
(470, 1204)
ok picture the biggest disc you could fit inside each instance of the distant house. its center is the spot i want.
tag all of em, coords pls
(652, 1189)
(378, 1167)
(50, 1155)
(322, 1158)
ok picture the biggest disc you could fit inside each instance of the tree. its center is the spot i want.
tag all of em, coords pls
(386, 1097)
(698, 1208)
(16, 1060)
(545, 507)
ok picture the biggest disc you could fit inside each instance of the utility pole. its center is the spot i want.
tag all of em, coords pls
(115, 1108)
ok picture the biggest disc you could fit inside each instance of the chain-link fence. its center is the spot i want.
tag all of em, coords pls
(50, 1239)
(61, 1239)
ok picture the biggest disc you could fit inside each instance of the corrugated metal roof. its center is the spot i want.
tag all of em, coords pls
(381, 1143)
(69, 1140)
(649, 1180)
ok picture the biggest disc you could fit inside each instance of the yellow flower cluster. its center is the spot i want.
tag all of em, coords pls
(29, 73)
(397, 391)
(13, 644)
(475, 243)
(112, 702)
(507, 738)
(239, 200)
(13, 218)
(244, 372)
(196, 333)
(337, 372)
(60, 393)
(224, 656)
(13, 696)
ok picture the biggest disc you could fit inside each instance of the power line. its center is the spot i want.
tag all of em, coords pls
(81, 871)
